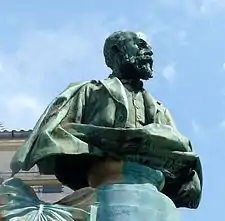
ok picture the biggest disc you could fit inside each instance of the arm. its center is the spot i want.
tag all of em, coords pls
(186, 192)
(76, 109)
(71, 169)
(78, 104)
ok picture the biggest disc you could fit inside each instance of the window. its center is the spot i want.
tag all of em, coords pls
(52, 189)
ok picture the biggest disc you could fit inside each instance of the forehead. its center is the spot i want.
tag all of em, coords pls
(135, 36)
(142, 36)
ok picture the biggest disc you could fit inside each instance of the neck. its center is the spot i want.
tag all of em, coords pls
(125, 76)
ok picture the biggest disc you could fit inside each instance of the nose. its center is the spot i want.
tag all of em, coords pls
(149, 52)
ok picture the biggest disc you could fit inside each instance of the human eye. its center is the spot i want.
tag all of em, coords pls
(142, 43)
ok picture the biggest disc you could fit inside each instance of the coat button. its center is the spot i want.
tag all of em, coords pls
(139, 117)
(136, 105)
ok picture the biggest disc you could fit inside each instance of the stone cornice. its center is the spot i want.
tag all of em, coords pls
(11, 141)
(39, 180)
(11, 144)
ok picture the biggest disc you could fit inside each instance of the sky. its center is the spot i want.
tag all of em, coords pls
(45, 45)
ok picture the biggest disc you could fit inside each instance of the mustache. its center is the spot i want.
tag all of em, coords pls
(144, 60)
(145, 53)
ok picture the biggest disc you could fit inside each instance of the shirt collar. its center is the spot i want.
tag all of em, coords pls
(134, 84)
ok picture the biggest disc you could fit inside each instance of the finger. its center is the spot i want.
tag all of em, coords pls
(188, 195)
(184, 194)
(180, 199)
(182, 190)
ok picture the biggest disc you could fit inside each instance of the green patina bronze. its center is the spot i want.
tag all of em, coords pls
(115, 117)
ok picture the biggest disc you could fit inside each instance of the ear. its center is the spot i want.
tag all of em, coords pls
(115, 49)
(115, 53)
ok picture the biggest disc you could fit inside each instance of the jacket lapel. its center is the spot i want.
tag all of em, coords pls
(118, 93)
(150, 107)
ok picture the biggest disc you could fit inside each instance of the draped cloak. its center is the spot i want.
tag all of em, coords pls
(90, 118)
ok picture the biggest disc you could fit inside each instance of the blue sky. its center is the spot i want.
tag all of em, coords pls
(45, 45)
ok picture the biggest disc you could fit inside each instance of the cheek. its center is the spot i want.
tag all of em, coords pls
(131, 50)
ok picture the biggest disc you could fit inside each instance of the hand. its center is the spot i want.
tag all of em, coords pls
(190, 192)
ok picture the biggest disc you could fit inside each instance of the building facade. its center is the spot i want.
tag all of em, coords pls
(47, 187)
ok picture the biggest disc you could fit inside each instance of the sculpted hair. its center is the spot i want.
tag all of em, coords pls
(111, 46)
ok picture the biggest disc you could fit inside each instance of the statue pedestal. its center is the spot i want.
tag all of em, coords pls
(135, 195)
(125, 191)
(133, 202)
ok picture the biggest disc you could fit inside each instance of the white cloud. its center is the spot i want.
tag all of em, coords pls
(20, 111)
(210, 7)
(224, 66)
(45, 61)
(36, 69)
(1, 68)
(188, 7)
(42, 54)
(222, 124)
(169, 72)
(195, 9)
(182, 37)
(199, 130)
(196, 127)
(22, 101)
(42, 65)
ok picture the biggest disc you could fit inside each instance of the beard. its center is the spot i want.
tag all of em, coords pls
(139, 67)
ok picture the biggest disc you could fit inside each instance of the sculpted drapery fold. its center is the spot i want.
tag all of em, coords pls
(117, 119)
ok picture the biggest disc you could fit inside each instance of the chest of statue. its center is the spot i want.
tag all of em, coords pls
(135, 111)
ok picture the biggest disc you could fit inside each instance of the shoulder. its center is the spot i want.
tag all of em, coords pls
(92, 88)
(87, 89)
(92, 84)
(163, 109)
(166, 114)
